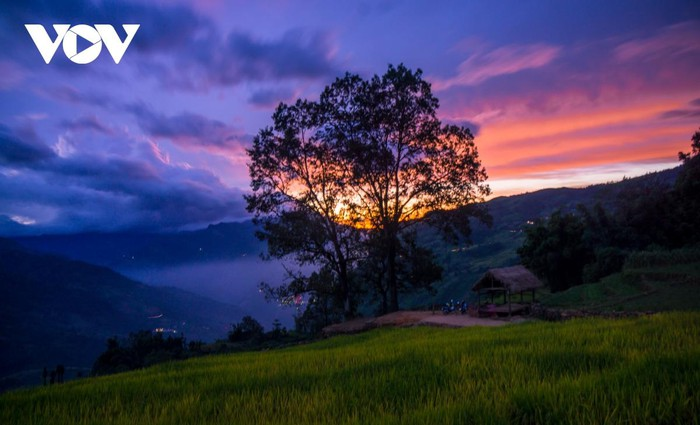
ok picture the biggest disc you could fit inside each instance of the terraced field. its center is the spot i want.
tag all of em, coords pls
(593, 371)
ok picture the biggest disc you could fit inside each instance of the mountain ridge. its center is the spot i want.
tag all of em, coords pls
(235, 240)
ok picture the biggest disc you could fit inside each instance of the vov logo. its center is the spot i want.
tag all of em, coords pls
(97, 35)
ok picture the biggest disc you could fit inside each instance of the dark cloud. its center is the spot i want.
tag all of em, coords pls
(111, 173)
(692, 111)
(69, 94)
(86, 123)
(44, 192)
(187, 129)
(268, 98)
(95, 192)
(14, 149)
(681, 113)
(296, 55)
(209, 61)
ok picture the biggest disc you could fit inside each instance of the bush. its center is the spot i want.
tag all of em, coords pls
(607, 261)
(248, 329)
(139, 350)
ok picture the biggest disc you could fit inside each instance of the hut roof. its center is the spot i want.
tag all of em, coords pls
(513, 279)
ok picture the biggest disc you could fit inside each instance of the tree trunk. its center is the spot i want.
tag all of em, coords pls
(392, 275)
(385, 303)
(345, 290)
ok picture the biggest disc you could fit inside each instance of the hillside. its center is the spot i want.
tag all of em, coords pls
(642, 370)
(496, 246)
(54, 310)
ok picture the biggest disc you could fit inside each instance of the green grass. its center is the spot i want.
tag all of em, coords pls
(654, 286)
(594, 371)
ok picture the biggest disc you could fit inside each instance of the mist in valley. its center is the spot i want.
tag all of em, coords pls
(232, 282)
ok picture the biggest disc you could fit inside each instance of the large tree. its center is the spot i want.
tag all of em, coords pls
(358, 168)
(402, 163)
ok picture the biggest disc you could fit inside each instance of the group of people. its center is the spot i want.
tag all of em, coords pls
(55, 376)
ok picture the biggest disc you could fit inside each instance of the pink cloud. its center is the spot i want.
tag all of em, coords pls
(502, 61)
(679, 39)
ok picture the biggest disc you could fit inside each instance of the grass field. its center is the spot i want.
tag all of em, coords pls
(594, 371)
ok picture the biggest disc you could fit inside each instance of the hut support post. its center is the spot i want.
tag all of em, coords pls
(509, 308)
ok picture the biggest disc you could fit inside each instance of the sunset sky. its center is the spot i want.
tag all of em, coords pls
(558, 93)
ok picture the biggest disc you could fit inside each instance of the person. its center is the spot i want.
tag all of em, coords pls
(60, 371)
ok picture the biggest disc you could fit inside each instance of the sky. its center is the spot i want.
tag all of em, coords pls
(557, 93)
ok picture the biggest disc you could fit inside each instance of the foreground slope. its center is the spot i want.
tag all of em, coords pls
(54, 310)
(643, 370)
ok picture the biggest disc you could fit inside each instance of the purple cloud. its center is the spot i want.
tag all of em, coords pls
(90, 192)
(86, 123)
(187, 130)
(692, 111)
(210, 62)
(69, 94)
(100, 191)
(270, 98)
(18, 150)
(297, 54)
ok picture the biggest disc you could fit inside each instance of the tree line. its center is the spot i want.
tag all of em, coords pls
(146, 348)
(582, 246)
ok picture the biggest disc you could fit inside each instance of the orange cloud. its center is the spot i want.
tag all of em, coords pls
(525, 146)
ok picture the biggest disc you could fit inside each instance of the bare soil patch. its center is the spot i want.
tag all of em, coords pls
(411, 318)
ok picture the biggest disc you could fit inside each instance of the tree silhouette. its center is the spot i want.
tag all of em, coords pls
(688, 193)
(402, 163)
(366, 162)
(248, 329)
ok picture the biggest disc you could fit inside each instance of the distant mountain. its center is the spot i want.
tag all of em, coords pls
(223, 241)
(463, 264)
(54, 310)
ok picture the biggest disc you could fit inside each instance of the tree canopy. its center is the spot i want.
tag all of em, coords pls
(338, 182)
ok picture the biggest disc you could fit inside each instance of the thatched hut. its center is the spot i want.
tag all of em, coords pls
(507, 281)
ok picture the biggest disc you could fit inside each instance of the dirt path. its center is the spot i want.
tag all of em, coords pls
(410, 318)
